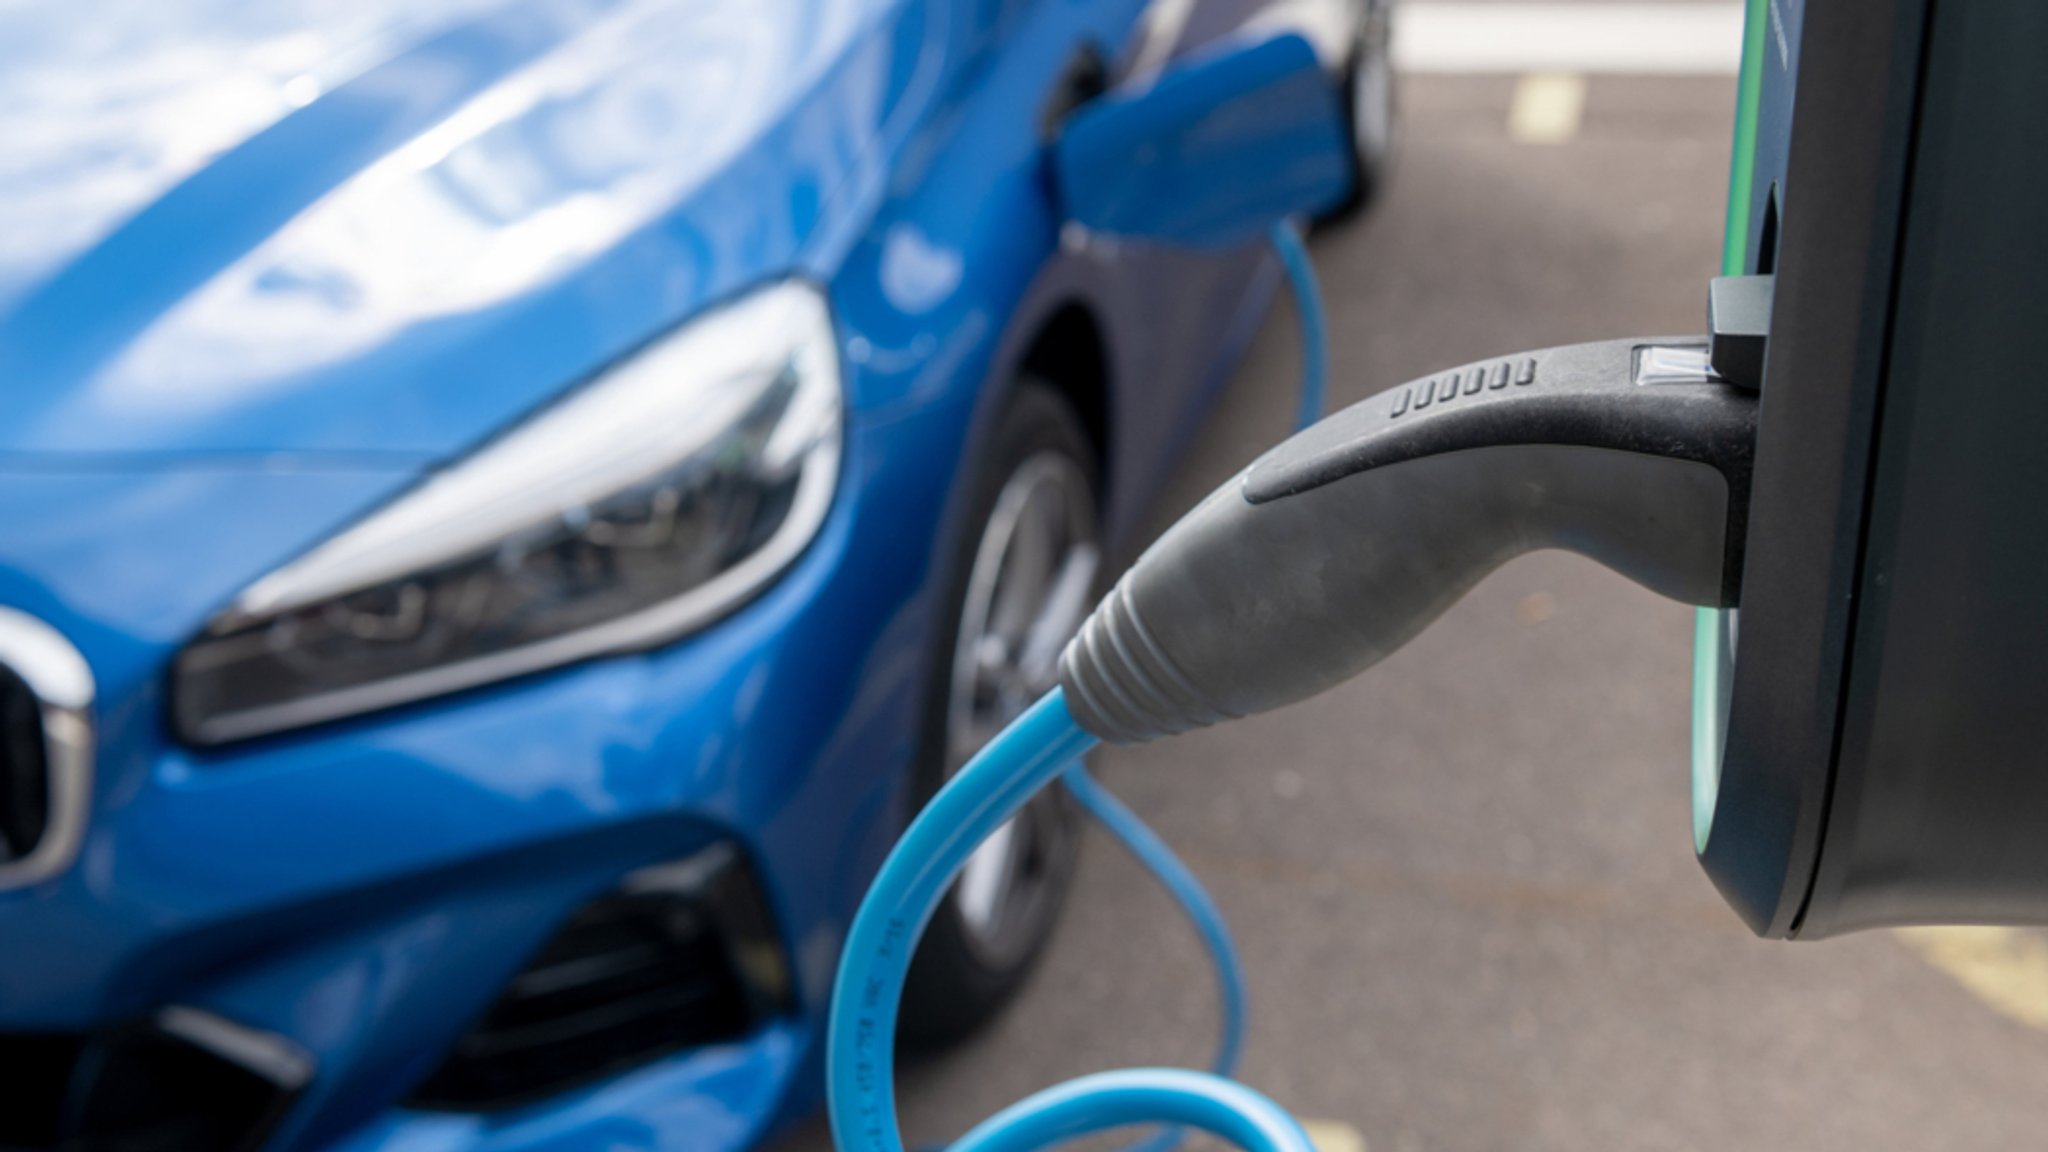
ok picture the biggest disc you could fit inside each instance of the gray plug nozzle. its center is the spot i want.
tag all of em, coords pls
(1344, 542)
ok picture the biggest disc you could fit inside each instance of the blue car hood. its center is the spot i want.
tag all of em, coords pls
(383, 228)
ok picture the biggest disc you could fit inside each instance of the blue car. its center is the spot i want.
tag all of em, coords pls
(507, 505)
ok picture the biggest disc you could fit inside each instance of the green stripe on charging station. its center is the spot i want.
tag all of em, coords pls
(1709, 666)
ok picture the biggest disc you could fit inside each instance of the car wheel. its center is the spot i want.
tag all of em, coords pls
(1023, 576)
(1368, 108)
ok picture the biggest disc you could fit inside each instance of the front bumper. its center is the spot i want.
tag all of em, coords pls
(365, 890)
(712, 1098)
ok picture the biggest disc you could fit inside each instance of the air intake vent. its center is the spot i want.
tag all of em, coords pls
(186, 1080)
(24, 770)
(678, 956)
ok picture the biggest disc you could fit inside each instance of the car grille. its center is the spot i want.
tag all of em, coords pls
(678, 956)
(24, 770)
(185, 1080)
(46, 750)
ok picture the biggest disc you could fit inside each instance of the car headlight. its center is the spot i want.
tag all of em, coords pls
(644, 505)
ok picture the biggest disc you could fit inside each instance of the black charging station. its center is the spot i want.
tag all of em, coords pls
(1882, 688)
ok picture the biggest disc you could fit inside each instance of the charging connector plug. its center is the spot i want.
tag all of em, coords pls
(1344, 542)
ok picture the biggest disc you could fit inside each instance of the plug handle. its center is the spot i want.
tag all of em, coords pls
(1341, 544)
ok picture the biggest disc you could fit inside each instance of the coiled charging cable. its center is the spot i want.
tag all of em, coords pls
(1173, 875)
(1041, 745)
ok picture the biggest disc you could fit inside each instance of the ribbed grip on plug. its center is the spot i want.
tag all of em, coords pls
(1333, 550)
(1122, 686)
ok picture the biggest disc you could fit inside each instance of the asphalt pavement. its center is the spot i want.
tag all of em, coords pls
(1463, 884)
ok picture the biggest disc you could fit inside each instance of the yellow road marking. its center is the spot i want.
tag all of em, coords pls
(2006, 968)
(1547, 108)
(1334, 1136)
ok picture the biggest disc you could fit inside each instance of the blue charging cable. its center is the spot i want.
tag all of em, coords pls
(860, 1077)
(1308, 303)
(1173, 875)
(1044, 744)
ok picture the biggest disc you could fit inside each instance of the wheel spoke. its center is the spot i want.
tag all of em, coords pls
(1059, 618)
(985, 879)
(1028, 568)
(973, 734)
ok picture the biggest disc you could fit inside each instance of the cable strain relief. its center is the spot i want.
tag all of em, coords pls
(1122, 686)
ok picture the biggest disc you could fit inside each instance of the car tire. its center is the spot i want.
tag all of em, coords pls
(1369, 108)
(1032, 515)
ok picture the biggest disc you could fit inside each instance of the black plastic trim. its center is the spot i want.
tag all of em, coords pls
(1842, 193)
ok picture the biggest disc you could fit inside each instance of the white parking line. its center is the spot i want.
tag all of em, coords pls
(1701, 38)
